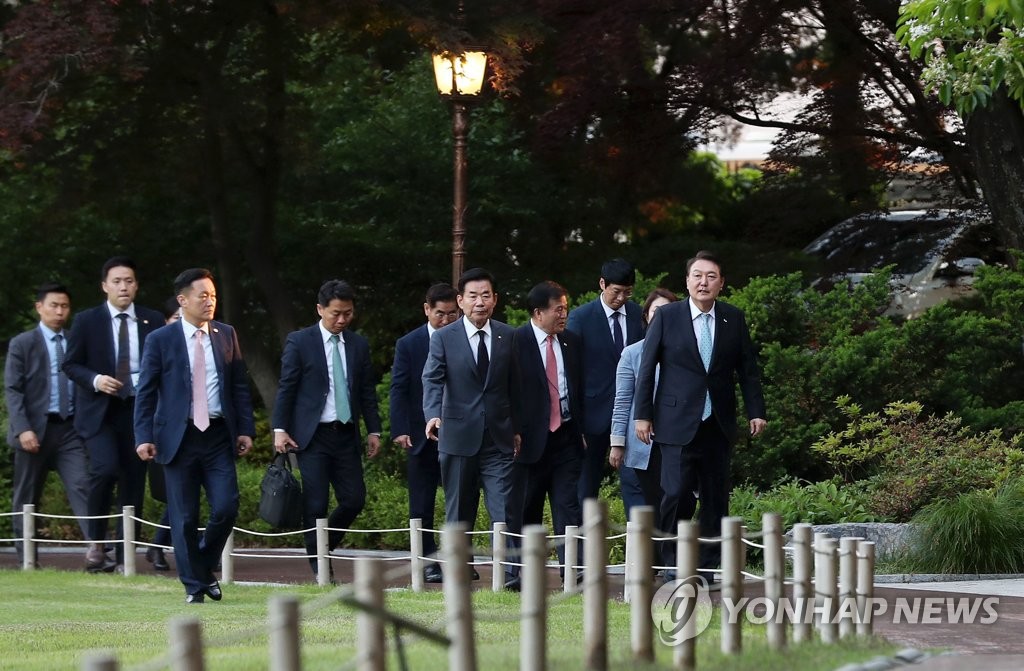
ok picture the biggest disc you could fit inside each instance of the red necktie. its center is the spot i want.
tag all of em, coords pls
(551, 368)
(200, 407)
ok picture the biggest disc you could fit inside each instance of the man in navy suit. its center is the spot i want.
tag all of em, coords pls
(407, 422)
(549, 463)
(469, 384)
(40, 411)
(103, 360)
(704, 348)
(326, 385)
(193, 414)
(605, 325)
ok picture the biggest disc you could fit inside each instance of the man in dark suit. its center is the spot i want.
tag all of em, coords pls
(407, 422)
(549, 463)
(469, 384)
(704, 349)
(103, 360)
(193, 414)
(605, 325)
(40, 411)
(326, 386)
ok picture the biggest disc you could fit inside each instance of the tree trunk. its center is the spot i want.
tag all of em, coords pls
(995, 134)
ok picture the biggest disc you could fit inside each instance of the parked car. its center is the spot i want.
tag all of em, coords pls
(934, 253)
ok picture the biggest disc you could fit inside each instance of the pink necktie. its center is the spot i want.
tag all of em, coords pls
(551, 368)
(200, 409)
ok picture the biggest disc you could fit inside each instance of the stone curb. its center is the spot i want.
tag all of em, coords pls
(911, 578)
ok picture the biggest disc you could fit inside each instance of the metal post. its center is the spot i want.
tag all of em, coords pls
(369, 589)
(638, 574)
(732, 583)
(28, 534)
(595, 585)
(462, 650)
(865, 586)
(227, 564)
(803, 590)
(774, 578)
(415, 553)
(847, 586)
(684, 655)
(186, 652)
(499, 556)
(572, 558)
(460, 129)
(323, 560)
(533, 600)
(284, 633)
(128, 525)
(825, 588)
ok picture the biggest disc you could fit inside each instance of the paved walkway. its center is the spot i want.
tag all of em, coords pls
(996, 646)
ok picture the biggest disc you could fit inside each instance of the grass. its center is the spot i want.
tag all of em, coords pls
(52, 619)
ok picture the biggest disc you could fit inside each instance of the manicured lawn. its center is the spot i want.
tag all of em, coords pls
(51, 619)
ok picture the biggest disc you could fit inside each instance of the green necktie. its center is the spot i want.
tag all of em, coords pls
(341, 405)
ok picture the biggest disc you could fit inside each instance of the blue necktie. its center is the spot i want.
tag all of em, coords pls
(705, 346)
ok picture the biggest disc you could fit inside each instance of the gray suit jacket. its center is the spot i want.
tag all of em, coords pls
(467, 405)
(27, 385)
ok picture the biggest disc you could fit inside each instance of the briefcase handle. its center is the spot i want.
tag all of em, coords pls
(284, 459)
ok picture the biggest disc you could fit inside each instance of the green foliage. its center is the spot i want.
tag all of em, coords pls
(973, 532)
(910, 460)
(826, 502)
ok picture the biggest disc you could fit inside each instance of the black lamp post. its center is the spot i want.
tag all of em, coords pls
(459, 78)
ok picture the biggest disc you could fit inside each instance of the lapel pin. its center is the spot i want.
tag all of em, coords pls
(216, 330)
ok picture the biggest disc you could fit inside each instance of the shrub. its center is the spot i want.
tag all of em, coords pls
(974, 532)
(824, 502)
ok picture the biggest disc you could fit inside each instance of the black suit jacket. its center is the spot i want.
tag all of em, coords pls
(406, 399)
(676, 410)
(91, 353)
(534, 401)
(304, 385)
(164, 396)
(600, 360)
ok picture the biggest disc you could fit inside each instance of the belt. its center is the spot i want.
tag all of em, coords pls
(214, 421)
(55, 418)
(335, 425)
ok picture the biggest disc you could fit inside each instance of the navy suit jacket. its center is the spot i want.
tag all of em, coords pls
(534, 401)
(406, 400)
(467, 405)
(600, 359)
(164, 396)
(91, 353)
(677, 408)
(27, 385)
(304, 384)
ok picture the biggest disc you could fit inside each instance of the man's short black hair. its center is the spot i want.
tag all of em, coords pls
(618, 271)
(541, 295)
(116, 262)
(335, 290)
(475, 275)
(185, 279)
(51, 288)
(441, 292)
(171, 307)
(705, 255)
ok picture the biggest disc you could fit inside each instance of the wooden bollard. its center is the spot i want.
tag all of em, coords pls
(415, 552)
(369, 589)
(595, 585)
(732, 583)
(227, 562)
(284, 633)
(533, 600)
(499, 544)
(638, 576)
(572, 558)
(865, 586)
(774, 578)
(455, 547)
(848, 586)
(627, 583)
(128, 527)
(323, 559)
(186, 641)
(28, 534)
(825, 588)
(99, 661)
(803, 588)
(684, 655)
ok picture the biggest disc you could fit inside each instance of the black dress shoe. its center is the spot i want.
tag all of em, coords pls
(213, 591)
(473, 574)
(514, 584)
(432, 574)
(106, 565)
(194, 598)
(155, 556)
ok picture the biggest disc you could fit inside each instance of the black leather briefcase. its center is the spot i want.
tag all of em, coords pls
(281, 495)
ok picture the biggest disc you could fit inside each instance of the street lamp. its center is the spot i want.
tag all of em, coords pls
(459, 78)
